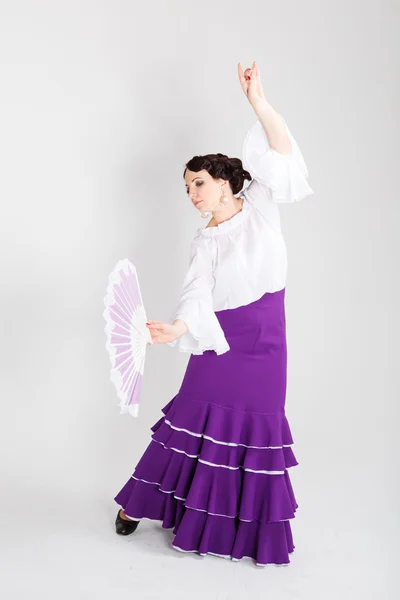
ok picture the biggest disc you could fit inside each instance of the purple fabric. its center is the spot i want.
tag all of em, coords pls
(216, 468)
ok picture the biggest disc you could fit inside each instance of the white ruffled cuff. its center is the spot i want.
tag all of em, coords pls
(205, 331)
(284, 174)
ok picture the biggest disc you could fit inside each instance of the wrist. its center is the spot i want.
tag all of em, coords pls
(181, 327)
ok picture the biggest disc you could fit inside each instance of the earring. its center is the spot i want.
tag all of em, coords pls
(223, 200)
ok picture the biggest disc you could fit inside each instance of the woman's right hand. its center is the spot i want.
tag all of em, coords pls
(162, 333)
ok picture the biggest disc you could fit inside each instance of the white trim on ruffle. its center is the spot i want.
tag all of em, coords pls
(207, 437)
(228, 557)
(216, 465)
(191, 507)
(159, 484)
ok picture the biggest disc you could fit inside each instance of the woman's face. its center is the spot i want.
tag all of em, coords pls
(203, 190)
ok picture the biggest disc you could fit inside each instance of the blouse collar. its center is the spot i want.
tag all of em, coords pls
(228, 225)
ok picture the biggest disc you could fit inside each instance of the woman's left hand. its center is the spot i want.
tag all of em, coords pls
(251, 83)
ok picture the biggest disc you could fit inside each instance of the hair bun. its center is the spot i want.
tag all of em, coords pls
(221, 166)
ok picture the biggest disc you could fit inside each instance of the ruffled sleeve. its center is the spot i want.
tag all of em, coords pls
(285, 175)
(195, 306)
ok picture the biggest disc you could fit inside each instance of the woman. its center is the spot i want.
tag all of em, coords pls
(216, 469)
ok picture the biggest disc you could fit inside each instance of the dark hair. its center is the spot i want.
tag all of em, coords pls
(220, 165)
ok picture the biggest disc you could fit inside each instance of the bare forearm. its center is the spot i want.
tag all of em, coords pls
(273, 126)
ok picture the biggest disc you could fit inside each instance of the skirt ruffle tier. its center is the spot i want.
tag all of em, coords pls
(228, 498)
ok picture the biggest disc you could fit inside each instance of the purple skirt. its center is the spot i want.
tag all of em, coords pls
(216, 468)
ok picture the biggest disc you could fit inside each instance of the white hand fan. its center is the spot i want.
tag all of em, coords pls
(127, 334)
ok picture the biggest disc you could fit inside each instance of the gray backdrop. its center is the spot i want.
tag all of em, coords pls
(102, 102)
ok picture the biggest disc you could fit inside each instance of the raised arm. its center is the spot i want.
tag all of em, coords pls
(270, 153)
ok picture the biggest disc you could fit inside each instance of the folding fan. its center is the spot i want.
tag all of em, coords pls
(127, 334)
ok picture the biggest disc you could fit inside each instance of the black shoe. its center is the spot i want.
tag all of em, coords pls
(124, 527)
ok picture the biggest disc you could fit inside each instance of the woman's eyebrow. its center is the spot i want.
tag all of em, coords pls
(193, 180)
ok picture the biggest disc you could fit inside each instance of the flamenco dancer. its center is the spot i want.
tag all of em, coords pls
(216, 468)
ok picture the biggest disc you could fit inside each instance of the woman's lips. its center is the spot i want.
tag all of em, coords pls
(196, 203)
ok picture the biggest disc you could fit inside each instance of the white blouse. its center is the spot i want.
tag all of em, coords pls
(241, 259)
